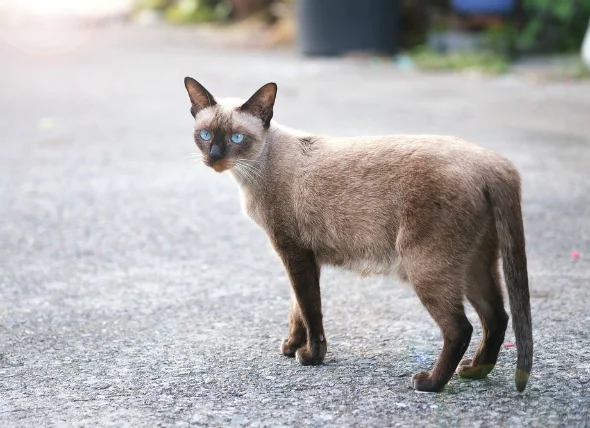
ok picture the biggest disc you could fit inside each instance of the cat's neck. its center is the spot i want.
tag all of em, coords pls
(252, 174)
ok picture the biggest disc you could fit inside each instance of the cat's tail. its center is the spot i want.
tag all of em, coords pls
(504, 196)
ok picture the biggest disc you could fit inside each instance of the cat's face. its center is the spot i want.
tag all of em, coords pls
(230, 132)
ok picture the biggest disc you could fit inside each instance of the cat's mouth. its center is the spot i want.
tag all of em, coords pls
(220, 165)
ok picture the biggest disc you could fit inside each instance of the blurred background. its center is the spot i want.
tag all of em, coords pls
(483, 35)
(134, 292)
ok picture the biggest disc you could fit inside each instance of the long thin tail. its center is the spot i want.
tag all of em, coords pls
(505, 198)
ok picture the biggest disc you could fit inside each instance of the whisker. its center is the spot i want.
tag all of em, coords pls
(241, 172)
(250, 172)
(245, 163)
(194, 161)
(251, 169)
(245, 172)
(249, 160)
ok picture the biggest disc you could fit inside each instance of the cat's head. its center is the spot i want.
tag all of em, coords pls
(230, 132)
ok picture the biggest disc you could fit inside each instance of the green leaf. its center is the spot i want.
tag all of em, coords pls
(563, 10)
(530, 33)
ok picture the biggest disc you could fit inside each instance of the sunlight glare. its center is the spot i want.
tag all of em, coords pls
(66, 7)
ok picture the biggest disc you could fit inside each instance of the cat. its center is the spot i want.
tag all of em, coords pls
(436, 211)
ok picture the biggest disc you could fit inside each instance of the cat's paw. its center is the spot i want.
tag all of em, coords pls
(289, 347)
(311, 355)
(424, 382)
(467, 370)
(465, 362)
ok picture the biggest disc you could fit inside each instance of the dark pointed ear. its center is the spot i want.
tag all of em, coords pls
(261, 103)
(200, 97)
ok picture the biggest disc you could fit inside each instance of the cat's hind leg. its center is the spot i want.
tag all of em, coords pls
(484, 292)
(447, 310)
(436, 267)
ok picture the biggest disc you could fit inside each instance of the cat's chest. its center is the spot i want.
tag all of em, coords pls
(253, 207)
(271, 211)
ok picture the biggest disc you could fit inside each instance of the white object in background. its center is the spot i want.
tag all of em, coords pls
(586, 47)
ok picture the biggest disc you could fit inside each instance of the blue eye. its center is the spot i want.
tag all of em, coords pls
(237, 138)
(205, 135)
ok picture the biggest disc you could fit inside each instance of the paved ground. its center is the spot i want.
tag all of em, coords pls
(134, 293)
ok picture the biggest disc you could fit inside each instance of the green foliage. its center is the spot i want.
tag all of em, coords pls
(189, 11)
(576, 71)
(500, 40)
(192, 11)
(152, 4)
(553, 25)
(483, 62)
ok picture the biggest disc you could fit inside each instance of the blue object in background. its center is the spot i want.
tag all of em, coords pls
(484, 6)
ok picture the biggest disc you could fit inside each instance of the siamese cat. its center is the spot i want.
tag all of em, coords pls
(436, 211)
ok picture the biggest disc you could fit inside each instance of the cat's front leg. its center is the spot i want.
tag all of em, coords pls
(304, 273)
(297, 332)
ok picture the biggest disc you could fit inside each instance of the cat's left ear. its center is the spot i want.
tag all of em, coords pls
(261, 103)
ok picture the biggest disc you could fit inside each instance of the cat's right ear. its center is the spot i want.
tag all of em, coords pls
(200, 97)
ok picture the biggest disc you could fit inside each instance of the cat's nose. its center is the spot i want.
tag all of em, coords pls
(215, 153)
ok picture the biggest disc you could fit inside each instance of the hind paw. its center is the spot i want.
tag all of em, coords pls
(467, 370)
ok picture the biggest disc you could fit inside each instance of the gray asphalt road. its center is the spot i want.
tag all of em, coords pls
(134, 292)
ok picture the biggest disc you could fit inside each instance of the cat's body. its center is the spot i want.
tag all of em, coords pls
(363, 234)
(436, 211)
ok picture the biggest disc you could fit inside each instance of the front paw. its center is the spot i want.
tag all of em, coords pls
(424, 382)
(311, 355)
(289, 347)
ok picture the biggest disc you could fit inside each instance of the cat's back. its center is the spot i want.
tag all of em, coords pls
(392, 155)
(426, 145)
